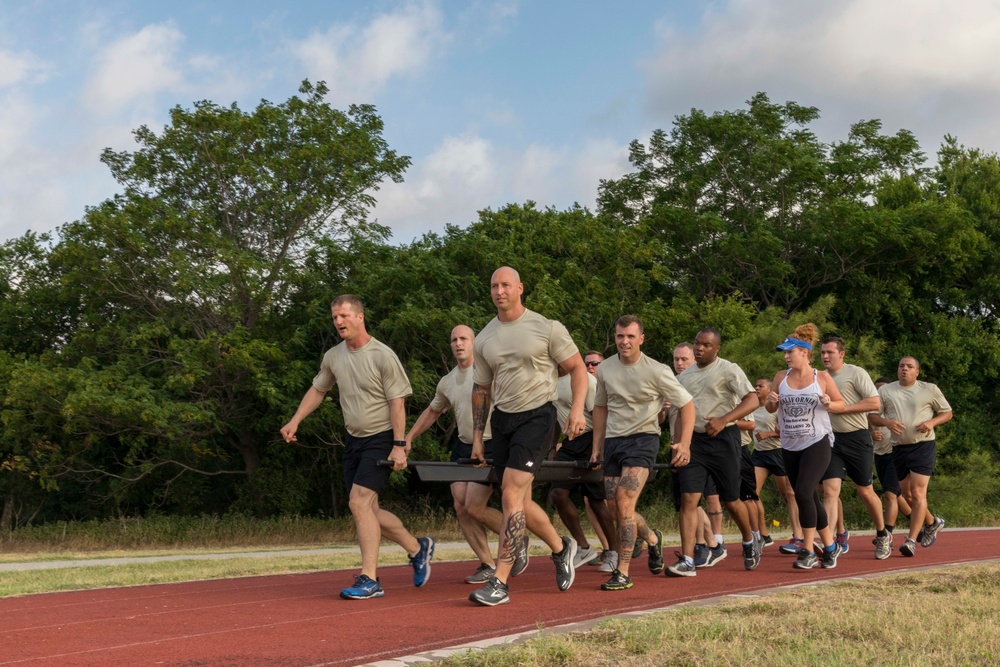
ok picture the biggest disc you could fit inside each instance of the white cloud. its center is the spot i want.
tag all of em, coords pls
(18, 67)
(136, 66)
(917, 64)
(468, 173)
(358, 61)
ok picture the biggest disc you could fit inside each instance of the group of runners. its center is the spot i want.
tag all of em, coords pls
(521, 390)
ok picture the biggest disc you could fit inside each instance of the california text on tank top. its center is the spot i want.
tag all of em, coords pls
(802, 419)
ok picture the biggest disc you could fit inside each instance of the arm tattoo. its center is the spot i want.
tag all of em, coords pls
(513, 533)
(480, 407)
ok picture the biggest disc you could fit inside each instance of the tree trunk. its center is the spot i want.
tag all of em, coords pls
(7, 517)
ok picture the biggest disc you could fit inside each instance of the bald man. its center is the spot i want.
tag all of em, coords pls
(518, 356)
(471, 499)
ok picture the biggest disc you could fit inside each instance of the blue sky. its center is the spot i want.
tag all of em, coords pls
(496, 101)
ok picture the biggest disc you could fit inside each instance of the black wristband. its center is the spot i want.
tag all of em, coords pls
(399, 443)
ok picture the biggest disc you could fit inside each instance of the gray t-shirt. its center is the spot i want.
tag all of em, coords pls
(520, 360)
(454, 391)
(716, 389)
(634, 394)
(855, 385)
(368, 378)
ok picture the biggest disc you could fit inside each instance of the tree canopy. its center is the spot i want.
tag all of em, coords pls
(150, 351)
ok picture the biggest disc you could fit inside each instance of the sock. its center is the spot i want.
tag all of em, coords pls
(890, 526)
(883, 532)
(689, 560)
(746, 544)
(830, 548)
(756, 534)
(718, 538)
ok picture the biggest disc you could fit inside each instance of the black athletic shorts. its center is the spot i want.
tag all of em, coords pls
(918, 458)
(716, 458)
(461, 450)
(675, 488)
(852, 457)
(580, 448)
(748, 478)
(886, 470)
(361, 456)
(521, 440)
(630, 451)
(771, 460)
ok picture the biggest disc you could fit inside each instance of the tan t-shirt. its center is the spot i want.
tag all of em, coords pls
(746, 436)
(520, 359)
(765, 422)
(369, 378)
(564, 400)
(855, 385)
(912, 405)
(454, 391)
(716, 389)
(634, 394)
(883, 446)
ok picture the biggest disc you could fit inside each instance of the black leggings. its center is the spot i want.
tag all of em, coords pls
(805, 469)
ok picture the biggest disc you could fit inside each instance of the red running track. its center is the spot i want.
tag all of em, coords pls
(300, 620)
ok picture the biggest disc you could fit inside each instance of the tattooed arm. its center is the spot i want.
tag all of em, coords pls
(481, 396)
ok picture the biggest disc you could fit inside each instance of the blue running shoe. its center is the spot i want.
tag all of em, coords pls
(421, 563)
(364, 588)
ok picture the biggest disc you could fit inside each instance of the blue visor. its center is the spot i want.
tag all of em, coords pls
(793, 342)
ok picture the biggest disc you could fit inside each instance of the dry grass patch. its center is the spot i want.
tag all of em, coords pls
(939, 617)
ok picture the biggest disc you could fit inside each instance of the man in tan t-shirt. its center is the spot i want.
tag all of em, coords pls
(631, 391)
(471, 499)
(853, 451)
(893, 501)
(373, 390)
(518, 356)
(911, 410)
(721, 394)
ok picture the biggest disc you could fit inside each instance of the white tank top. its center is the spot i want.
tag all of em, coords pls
(802, 419)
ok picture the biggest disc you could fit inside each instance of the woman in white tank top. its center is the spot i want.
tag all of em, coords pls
(804, 398)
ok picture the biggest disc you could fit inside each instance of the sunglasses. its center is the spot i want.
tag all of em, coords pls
(593, 363)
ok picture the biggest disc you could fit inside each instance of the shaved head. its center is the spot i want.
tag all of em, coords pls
(507, 274)
(463, 330)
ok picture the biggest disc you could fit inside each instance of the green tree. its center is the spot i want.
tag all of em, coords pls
(177, 362)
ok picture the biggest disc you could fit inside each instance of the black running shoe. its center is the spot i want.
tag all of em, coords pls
(656, 554)
(492, 594)
(565, 570)
(617, 582)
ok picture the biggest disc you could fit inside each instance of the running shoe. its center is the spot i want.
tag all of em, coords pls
(610, 563)
(751, 555)
(599, 560)
(716, 554)
(617, 582)
(637, 549)
(920, 535)
(682, 568)
(364, 588)
(565, 569)
(421, 562)
(481, 575)
(830, 557)
(793, 547)
(520, 558)
(768, 540)
(931, 532)
(842, 540)
(883, 546)
(584, 555)
(909, 547)
(806, 561)
(656, 554)
(492, 594)
(701, 553)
